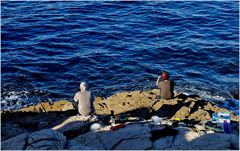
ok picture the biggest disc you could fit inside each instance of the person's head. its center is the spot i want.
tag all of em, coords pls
(83, 86)
(165, 75)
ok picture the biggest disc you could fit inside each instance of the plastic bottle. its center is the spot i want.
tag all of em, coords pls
(227, 126)
(112, 121)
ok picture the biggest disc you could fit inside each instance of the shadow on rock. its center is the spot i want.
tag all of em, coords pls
(16, 123)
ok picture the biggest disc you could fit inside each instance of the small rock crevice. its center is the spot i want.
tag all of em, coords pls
(120, 141)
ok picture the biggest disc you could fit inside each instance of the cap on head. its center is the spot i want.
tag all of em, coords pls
(83, 86)
(165, 75)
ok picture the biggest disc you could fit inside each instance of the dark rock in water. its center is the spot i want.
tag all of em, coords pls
(16, 143)
(46, 139)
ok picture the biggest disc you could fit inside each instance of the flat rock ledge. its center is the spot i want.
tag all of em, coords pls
(56, 126)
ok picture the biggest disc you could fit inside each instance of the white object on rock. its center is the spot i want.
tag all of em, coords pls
(210, 132)
(95, 127)
(199, 127)
(156, 120)
(169, 123)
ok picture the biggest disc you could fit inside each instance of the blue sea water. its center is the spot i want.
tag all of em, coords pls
(49, 47)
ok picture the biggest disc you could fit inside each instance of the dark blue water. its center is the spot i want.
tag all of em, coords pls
(49, 47)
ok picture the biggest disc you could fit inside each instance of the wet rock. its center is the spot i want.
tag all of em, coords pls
(16, 143)
(131, 137)
(46, 139)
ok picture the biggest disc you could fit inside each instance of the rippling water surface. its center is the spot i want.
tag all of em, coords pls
(49, 47)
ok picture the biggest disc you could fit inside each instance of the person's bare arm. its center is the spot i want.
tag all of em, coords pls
(158, 80)
(75, 98)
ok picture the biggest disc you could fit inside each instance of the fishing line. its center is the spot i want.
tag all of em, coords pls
(155, 17)
(158, 39)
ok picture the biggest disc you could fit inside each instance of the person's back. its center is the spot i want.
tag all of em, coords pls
(166, 86)
(85, 100)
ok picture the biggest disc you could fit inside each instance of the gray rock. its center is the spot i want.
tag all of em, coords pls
(177, 142)
(73, 145)
(215, 141)
(131, 137)
(46, 139)
(185, 135)
(190, 140)
(71, 126)
(16, 143)
(163, 143)
(8, 131)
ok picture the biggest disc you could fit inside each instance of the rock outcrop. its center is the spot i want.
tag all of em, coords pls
(16, 143)
(145, 104)
(73, 126)
(132, 137)
(46, 139)
(55, 126)
(186, 139)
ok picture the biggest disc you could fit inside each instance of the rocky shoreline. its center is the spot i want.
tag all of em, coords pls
(57, 125)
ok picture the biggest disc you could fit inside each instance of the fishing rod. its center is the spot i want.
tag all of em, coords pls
(158, 41)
